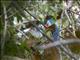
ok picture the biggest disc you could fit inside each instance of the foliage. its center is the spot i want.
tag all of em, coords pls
(27, 10)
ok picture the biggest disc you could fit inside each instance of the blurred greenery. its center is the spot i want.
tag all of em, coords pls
(23, 8)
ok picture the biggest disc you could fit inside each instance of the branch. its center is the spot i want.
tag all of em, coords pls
(5, 28)
(6, 12)
(12, 58)
(67, 52)
(74, 12)
(68, 16)
(23, 33)
(3, 38)
(8, 7)
(58, 43)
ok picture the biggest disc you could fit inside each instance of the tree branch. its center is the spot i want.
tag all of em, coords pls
(4, 31)
(58, 43)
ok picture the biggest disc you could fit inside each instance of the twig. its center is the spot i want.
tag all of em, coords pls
(67, 16)
(68, 53)
(74, 12)
(23, 33)
(6, 12)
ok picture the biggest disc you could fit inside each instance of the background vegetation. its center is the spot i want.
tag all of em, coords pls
(15, 16)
